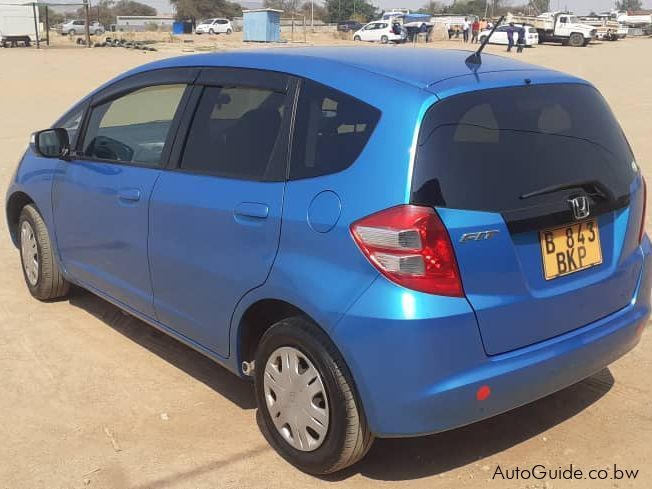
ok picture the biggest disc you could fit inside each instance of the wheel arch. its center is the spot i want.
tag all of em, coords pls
(257, 319)
(15, 204)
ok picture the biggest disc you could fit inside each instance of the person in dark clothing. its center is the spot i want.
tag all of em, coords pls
(521, 39)
(510, 36)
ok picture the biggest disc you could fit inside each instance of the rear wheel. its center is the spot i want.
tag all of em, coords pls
(308, 406)
(384, 39)
(229, 32)
(576, 40)
(40, 268)
(72, 32)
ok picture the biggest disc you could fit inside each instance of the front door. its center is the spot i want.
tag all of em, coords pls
(101, 197)
(215, 221)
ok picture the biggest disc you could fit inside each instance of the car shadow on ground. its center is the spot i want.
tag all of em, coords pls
(235, 389)
(389, 459)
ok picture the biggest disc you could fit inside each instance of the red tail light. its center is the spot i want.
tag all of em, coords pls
(642, 230)
(411, 247)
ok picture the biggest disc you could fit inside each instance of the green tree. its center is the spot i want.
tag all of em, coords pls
(629, 5)
(319, 12)
(339, 10)
(204, 9)
(287, 6)
(432, 7)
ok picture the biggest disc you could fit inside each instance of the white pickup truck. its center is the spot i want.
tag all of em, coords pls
(558, 27)
(17, 23)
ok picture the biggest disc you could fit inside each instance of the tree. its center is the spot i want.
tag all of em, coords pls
(339, 10)
(287, 6)
(205, 9)
(629, 5)
(432, 7)
(319, 11)
(106, 11)
(540, 6)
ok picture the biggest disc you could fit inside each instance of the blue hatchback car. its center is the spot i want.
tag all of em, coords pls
(389, 243)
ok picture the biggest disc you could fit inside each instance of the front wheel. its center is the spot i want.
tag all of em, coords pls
(72, 32)
(384, 40)
(229, 32)
(211, 32)
(308, 407)
(40, 268)
(357, 38)
(576, 40)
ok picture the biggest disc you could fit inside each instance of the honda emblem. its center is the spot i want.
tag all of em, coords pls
(580, 207)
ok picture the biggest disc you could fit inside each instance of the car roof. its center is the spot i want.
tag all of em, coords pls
(417, 67)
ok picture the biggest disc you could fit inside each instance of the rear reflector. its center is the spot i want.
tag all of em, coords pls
(411, 247)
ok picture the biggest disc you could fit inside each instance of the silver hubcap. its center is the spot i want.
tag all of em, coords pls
(296, 399)
(29, 252)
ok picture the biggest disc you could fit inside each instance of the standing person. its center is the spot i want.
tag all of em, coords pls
(465, 29)
(475, 30)
(521, 39)
(510, 36)
(483, 24)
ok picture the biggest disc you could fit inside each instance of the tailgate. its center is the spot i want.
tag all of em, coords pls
(543, 202)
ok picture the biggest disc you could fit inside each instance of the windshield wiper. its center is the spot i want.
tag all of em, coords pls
(592, 187)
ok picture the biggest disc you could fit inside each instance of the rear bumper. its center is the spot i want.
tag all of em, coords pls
(418, 375)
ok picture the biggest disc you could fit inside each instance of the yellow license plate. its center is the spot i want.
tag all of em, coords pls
(570, 248)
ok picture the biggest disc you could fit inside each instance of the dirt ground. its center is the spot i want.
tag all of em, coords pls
(93, 398)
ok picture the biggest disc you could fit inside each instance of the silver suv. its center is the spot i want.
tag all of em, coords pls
(78, 27)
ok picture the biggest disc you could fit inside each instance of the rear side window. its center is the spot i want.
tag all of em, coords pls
(133, 128)
(236, 133)
(488, 150)
(331, 130)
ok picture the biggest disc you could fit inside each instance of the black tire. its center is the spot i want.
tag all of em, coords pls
(348, 438)
(229, 32)
(384, 39)
(576, 40)
(50, 283)
(72, 32)
(211, 31)
(357, 38)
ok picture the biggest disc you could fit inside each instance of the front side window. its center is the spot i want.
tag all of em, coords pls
(71, 124)
(236, 133)
(133, 128)
(331, 130)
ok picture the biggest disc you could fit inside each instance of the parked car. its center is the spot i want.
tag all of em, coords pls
(500, 35)
(411, 287)
(349, 25)
(381, 31)
(78, 27)
(214, 26)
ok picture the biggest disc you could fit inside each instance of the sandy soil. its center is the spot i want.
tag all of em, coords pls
(93, 398)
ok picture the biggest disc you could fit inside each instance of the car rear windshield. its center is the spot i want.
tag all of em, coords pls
(487, 150)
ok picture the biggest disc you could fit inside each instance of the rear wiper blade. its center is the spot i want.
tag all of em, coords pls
(592, 187)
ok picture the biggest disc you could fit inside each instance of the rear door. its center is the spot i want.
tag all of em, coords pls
(543, 201)
(215, 219)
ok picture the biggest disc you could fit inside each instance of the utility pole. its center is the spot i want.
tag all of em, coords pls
(88, 21)
(38, 41)
(312, 15)
(47, 27)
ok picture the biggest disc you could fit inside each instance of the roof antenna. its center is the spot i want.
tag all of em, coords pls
(474, 61)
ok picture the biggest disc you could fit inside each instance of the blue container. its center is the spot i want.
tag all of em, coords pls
(262, 25)
(177, 27)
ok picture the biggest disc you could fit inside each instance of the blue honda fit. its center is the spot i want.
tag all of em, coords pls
(389, 242)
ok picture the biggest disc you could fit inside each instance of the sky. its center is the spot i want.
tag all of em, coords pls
(577, 6)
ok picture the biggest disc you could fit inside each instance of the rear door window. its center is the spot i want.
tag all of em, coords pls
(496, 150)
(237, 133)
(331, 130)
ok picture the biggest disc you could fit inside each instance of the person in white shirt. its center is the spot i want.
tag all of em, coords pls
(465, 29)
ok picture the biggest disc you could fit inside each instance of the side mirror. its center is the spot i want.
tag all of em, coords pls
(52, 143)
